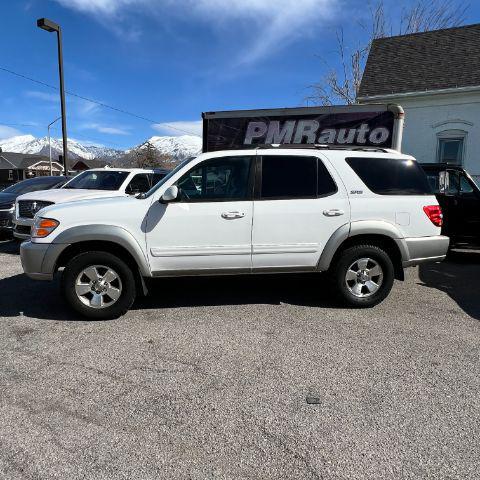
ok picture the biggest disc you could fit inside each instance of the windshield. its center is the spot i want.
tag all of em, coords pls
(33, 185)
(98, 180)
(167, 177)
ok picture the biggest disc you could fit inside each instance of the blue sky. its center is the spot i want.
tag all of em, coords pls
(167, 60)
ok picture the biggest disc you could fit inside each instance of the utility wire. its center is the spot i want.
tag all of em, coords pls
(125, 112)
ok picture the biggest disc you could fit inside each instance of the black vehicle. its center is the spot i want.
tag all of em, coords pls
(459, 197)
(9, 195)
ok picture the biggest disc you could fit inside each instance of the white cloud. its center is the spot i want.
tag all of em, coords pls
(47, 97)
(111, 130)
(7, 132)
(108, 7)
(270, 25)
(179, 128)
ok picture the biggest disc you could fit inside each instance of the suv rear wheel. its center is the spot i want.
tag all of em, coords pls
(363, 275)
(98, 285)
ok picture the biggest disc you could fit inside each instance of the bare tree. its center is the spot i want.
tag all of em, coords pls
(341, 85)
(147, 156)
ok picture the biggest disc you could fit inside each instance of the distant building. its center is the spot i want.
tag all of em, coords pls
(82, 164)
(19, 166)
(435, 76)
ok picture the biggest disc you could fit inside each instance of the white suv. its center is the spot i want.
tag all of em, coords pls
(94, 183)
(360, 215)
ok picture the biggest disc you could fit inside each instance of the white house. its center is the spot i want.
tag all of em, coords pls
(435, 77)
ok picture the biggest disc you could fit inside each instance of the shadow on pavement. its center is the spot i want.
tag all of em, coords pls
(20, 295)
(43, 300)
(458, 277)
(301, 289)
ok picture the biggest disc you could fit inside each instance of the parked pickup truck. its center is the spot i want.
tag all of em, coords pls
(459, 197)
(361, 214)
(94, 183)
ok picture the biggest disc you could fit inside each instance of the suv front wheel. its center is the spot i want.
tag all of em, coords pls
(363, 275)
(98, 285)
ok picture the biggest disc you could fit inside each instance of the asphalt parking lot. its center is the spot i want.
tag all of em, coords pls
(209, 378)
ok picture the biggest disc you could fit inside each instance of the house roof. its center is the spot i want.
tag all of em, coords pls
(20, 161)
(435, 60)
(92, 163)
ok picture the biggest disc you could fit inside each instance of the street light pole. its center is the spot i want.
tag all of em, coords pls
(50, 26)
(50, 145)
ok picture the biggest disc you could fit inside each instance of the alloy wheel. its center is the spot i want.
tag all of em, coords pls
(364, 277)
(98, 286)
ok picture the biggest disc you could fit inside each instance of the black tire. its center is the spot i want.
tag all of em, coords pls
(84, 260)
(341, 266)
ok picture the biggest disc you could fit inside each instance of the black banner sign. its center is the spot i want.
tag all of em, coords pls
(362, 128)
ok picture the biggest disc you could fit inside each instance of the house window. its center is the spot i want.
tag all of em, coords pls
(10, 174)
(450, 150)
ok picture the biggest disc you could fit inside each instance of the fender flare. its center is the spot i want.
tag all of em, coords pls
(107, 233)
(363, 227)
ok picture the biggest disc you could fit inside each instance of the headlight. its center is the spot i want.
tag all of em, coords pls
(42, 227)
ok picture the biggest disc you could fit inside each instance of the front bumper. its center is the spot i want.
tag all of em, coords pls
(425, 250)
(39, 259)
(22, 227)
(6, 221)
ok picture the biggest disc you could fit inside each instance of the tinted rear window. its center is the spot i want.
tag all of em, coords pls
(289, 177)
(391, 176)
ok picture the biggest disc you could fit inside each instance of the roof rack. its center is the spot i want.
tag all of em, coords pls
(320, 146)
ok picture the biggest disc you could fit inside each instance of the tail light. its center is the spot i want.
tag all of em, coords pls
(434, 213)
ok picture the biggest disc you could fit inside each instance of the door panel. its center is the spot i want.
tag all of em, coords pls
(210, 227)
(191, 236)
(292, 232)
(468, 209)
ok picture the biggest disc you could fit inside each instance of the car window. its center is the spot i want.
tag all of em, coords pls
(434, 181)
(453, 183)
(168, 176)
(98, 180)
(140, 183)
(465, 186)
(32, 185)
(391, 176)
(156, 177)
(325, 183)
(225, 178)
(288, 177)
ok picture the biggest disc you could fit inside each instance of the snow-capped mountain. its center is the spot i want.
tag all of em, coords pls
(178, 148)
(39, 146)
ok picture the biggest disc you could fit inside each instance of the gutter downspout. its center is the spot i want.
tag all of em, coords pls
(399, 115)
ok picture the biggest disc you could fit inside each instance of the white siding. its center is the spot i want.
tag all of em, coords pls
(427, 116)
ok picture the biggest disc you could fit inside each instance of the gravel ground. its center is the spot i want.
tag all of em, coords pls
(230, 378)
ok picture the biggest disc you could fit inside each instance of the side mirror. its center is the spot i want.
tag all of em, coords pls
(170, 194)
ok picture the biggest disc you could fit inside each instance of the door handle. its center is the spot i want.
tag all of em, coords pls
(333, 213)
(232, 215)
